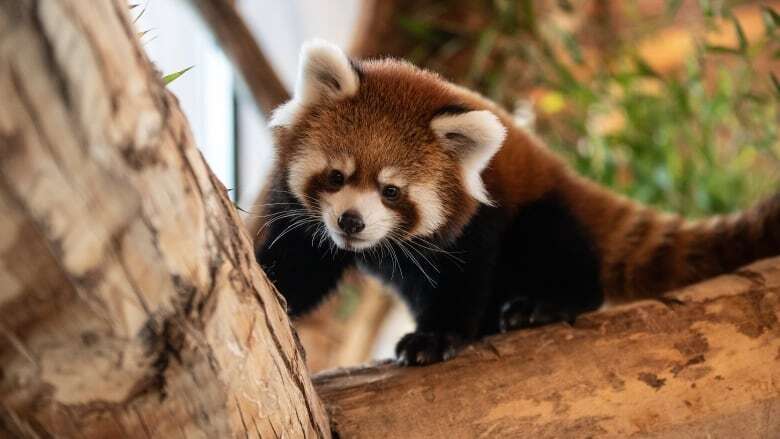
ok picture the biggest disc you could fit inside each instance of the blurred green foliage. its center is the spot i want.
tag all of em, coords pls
(701, 139)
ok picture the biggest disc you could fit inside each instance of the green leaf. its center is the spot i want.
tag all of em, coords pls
(170, 77)
(706, 8)
(743, 42)
(644, 69)
(417, 28)
(775, 82)
(672, 6)
(422, 30)
(572, 47)
(772, 15)
(771, 20)
(722, 49)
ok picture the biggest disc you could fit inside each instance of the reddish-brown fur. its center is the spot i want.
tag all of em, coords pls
(642, 252)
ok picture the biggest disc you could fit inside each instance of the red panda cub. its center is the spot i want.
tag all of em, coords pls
(478, 226)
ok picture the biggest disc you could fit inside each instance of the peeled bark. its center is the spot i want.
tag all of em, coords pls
(703, 362)
(130, 302)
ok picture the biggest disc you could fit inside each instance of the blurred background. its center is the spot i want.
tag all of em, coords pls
(672, 102)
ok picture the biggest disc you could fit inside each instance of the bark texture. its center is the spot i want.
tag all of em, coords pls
(130, 302)
(704, 362)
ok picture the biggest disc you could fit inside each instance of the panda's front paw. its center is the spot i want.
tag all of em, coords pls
(524, 312)
(420, 348)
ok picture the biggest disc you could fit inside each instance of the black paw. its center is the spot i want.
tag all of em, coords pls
(419, 348)
(524, 312)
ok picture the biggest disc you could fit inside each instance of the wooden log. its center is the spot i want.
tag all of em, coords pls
(130, 302)
(703, 362)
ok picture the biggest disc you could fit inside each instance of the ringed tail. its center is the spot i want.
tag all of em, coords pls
(645, 252)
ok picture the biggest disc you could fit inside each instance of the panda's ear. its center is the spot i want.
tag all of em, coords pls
(475, 137)
(324, 72)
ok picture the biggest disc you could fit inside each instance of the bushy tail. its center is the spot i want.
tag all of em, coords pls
(645, 253)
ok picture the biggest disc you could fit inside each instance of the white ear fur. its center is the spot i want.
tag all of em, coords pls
(324, 72)
(475, 136)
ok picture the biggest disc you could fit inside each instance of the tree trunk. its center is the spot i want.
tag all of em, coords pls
(130, 302)
(704, 362)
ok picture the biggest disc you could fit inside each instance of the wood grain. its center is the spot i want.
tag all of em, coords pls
(703, 363)
(130, 302)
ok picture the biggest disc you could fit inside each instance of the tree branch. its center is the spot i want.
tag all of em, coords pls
(130, 301)
(237, 41)
(702, 363)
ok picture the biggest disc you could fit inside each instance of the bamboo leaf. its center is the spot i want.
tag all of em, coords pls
(706, 8)
(721, 49)
(644, 68)
(167, 79)
(775, 82)
(771, 20)
(672, 6)
(572, 47)
(422, 30)
(772, 15)
(743, 42)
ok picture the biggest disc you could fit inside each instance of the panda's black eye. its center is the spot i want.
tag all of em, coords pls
(336, 179)
(391, 193)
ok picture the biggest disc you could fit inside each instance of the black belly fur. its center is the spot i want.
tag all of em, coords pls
(535, 267)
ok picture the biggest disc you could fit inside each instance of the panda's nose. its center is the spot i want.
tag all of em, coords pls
(351, 222)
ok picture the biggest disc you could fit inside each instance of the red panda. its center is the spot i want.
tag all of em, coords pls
(476, 224)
